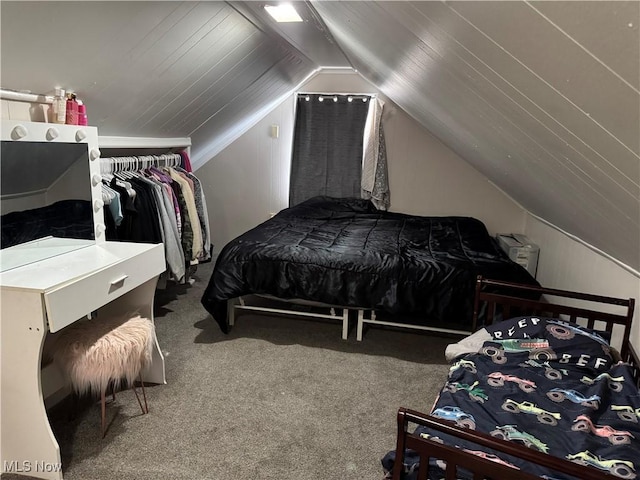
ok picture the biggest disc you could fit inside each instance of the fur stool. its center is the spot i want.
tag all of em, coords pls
(94, 354)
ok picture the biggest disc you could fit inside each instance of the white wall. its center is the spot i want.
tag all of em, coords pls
(569, 264)
(428, 178)
(249, 180)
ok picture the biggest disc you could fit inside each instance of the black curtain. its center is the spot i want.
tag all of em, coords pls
(327, 146)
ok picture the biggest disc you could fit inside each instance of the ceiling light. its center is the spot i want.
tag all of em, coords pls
(283, 13)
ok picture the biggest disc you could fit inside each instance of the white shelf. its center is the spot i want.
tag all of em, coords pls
(59, 267)
(143, 142)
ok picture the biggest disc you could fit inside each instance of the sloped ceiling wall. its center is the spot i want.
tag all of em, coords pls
(541, 97)
(158, 69)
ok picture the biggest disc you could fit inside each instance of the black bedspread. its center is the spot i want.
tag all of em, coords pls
(63, 219)
(347, 253)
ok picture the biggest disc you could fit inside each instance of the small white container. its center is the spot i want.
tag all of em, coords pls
(59, 107)
(521, 250)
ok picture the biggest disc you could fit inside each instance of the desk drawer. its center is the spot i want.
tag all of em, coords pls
(72, 301)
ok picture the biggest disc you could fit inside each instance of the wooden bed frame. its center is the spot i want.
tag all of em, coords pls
(592, 309)
(499, 306)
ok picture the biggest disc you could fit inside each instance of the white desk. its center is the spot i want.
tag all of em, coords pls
(45, 296)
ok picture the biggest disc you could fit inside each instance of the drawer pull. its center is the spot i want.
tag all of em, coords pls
(119, 281)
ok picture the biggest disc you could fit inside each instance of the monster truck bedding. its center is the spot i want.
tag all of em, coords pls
(545, 384)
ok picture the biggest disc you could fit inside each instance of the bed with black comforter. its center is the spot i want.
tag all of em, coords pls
(345, 252)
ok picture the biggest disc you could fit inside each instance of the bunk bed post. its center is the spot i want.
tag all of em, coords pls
(634, 360)
(400, 443)
(624, 351)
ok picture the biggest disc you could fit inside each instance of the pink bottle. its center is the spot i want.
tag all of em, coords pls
(82, 113)
(72, 110)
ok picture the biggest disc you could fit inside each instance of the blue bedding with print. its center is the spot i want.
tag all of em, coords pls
(549, 386)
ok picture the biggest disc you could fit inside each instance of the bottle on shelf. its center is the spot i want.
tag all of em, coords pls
(82, 113)
(59, 107)
(72, 109)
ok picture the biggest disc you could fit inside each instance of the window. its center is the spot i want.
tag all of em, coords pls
(327, 146)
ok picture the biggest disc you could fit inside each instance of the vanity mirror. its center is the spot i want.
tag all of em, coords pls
(49, 178)
(52, 279)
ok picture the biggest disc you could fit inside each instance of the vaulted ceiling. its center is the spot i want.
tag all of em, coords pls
(541, 97)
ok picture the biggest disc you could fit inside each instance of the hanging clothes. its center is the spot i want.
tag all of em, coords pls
(185, 162)
(140, 222)
(159, 204)
(203, 216)
(192, 213)
(173, 248)
(173, 251)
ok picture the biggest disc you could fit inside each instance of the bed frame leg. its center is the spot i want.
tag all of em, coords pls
(360, 325)
(345, 323)
(231, 311)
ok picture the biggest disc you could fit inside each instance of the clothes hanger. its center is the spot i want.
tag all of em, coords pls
(108, 194)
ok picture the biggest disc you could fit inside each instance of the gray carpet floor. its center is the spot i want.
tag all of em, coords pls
(277, 398)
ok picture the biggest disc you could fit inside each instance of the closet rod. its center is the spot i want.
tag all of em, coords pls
(25, 96)
(139, 162)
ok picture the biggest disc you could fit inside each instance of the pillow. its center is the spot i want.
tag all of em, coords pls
(551, 339)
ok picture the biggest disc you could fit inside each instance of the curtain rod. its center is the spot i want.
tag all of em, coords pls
(334, 96)
(330, 94)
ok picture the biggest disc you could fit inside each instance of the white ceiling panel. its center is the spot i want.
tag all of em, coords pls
(149, 68)
(531, 92)
(541, 97)
(309, 37)
(579, 78)
(614, 43)
(507, 86)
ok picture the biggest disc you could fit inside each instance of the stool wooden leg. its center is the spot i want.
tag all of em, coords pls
(113, 391)
(103, 411)
(144, 409)
(144, 394)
